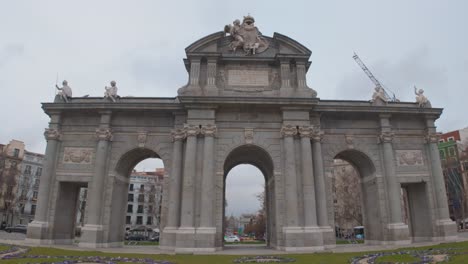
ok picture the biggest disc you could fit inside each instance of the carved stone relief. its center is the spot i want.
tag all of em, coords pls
(249, 135)
(77, 155)
(142, 135)
(409, 158)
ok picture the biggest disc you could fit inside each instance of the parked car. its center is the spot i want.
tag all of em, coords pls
(136, 237)
(154, 237)
(231, 238)
(17, 228)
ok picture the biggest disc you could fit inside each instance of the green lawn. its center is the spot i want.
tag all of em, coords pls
(322, 258)
(4, 247)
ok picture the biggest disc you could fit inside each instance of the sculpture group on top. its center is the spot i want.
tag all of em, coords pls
(65, 92)
(246, 36)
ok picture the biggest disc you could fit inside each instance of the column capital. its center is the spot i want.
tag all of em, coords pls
(52, 134)
(288, 130)
(209, 130)
(306, 131)
(432, 138)
(191, 130)
(178, 134)
(104, 134)
(317, 134)
(386, 137)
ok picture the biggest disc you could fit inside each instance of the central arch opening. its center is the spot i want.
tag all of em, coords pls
(249, 167)
(355, 198)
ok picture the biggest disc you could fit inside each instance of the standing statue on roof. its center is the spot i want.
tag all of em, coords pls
(421, 99)
(65, 92)
(246, 36)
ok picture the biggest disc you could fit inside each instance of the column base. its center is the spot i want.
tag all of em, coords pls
(398, 234)
(168, 238)
(38, 233)
(329, 238)
(446, 230)
(185, 238)
(206, 237)
(313, 238)
(92, 237)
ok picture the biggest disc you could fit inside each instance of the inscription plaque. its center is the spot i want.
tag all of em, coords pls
(247, 78)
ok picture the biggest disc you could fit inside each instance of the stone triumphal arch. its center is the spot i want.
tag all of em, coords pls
(246, 101)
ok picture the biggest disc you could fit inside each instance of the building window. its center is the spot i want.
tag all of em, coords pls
(35, 195)
(151, 199)
(21, 208)
(36, 183)
(33, 209)
(140, 209)
(149, 220)
(451, 151)
(139, 220)
(441, 140)
(128, 220)
(130, 197)
(141, 198)
(150, 209)
(39, 171)
(27, 170)
(131, 187)
(129, 208)
(451, 139)
(16, 152)
(442, 153)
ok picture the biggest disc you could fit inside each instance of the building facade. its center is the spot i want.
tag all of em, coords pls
(246, 102)
(145, 199)
(453, 148)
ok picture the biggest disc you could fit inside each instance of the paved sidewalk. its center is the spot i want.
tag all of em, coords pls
(234, 249)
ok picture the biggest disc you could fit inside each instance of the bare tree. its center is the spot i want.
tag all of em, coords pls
(8, 180)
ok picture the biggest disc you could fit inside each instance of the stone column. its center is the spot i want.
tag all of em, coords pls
(446, 229)
(393, 186)
(398, 231)
(320, 187)
(437, 177)
(288, 132)
(37, 230)
(207, 196)
(310, 210)
(173, 212)
(188, 191)
(328, 233)
(93, 230)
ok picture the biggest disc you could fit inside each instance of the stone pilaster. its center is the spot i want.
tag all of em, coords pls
(446, 229)
(194, 81)
(210, 88)
(320, 188)
(38, 230)
(398, 231)
(301, 75)
(92, 232)
(308, 185)
(173, 212)
(186, 232)
(285, 71)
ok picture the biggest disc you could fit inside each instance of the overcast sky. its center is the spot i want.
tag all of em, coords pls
(140, 44)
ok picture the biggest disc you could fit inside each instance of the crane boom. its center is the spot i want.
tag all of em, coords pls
(366, 70)
(371, 76)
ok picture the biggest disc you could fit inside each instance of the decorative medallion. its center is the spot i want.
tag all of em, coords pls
(77, 155)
